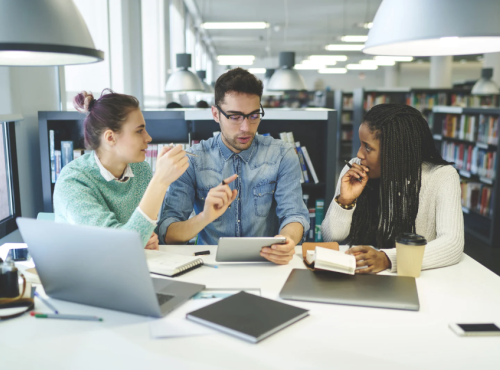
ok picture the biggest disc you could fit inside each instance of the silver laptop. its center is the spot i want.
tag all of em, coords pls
(381, 291)
(100, 267)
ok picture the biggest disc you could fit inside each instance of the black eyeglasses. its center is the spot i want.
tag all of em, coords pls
(238, 118)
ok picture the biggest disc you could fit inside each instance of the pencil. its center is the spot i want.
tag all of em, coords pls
(65, 317)
(45, 302)
(359, 179)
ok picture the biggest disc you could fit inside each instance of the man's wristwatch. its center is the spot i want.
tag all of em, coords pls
(345, 206)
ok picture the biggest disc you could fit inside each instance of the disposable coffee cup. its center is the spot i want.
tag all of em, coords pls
(410, 250)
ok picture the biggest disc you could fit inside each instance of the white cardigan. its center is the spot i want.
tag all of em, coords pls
(439, 218)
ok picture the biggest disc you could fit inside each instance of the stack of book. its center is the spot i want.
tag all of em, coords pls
(477, 197)
(316, 217)
(60, 158)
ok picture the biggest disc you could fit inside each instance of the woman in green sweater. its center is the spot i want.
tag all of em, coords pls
(112, 186)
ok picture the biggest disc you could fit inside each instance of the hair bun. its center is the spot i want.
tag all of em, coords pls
(83, 102)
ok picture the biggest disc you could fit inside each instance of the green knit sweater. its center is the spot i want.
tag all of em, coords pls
(82, 196)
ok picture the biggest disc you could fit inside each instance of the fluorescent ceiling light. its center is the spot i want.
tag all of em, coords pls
(383, 62)
(343, 47)
(335, 58)
(362, 66)
(469, 27)
(395, 58)
(311, 67)
(352, 38)
(325, 62)
(332, 70)
(242, 60)
(257, 70)
(234, 25)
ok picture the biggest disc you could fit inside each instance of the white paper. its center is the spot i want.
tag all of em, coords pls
(329, 259)
(175, 323)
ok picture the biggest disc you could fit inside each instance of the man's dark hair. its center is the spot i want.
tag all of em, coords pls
(237, 80)
(391, 207)
(202, 104)
(173, 104)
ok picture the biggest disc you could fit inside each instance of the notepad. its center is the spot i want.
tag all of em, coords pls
(170, 264)
(332, 260)
(247, 316)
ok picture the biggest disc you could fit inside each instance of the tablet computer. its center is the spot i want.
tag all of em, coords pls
(244, 249)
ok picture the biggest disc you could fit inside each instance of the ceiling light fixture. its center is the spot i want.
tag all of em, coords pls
(241, 60)
(469, 27)
(394, 58)
(382, 62)
(257, 70)
(332, 70)
(234, 25)
(183, 79)
(352, 38)
(202, 75)
(344, 47)
(335, 58)
(362, 67)
(485, 86)
(54, 35)
(286, 78)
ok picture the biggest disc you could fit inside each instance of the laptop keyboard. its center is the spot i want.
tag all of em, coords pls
(162, 298)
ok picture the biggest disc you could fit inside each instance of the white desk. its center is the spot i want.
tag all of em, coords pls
(332, 337)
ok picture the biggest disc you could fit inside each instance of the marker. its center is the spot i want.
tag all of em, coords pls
(202, 253)
(46, 302)
(64, 317)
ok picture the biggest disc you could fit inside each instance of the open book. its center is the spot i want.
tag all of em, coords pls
(332, 260)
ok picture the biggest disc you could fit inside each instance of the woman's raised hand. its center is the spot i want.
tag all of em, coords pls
(350, 186)
(172, 162)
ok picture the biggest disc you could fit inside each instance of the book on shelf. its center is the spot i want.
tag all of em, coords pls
(312, 224)
(462, 128)
(302, 161)
(488, 129)
(66, 152)
(58, 163)
(426, 100)
(469, 157)
(309, 164)
(373, 99)
(347, 102)
(52, 157)
(320, 215)
(346, 118)
(154, 149)
(287, 137)
(331, 260)
(477, 197)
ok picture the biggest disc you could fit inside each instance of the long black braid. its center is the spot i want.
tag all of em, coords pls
(391, 207)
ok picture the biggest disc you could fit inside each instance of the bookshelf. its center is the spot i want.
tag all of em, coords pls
(419, 98)
(469, 137)
(343, 104)
(315, 128)
(299, 99)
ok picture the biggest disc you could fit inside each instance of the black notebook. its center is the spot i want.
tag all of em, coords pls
(248, 316)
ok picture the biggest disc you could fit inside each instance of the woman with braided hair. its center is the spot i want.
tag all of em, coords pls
(405, 186)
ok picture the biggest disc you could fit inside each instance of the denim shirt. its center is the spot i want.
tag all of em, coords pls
(269, 191)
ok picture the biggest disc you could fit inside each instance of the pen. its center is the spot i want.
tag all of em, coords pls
(359, 179)
(201, 253)
(210, 265)
(65, 317)
(45, 302)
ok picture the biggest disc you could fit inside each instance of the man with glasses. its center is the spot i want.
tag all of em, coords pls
(239, 183)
